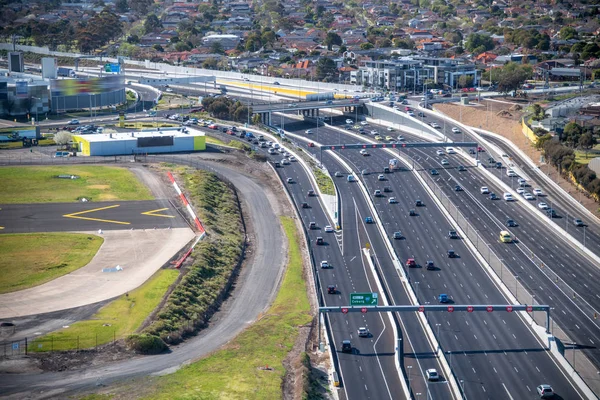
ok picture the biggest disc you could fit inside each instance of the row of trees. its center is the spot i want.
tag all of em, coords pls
(224, 108)
(574, 135)
(563, 158)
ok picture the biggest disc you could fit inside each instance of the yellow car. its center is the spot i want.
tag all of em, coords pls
(378, 137)
(505, 237)
(389, 138)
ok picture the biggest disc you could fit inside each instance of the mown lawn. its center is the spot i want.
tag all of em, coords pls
(237, 371)
(114, 321)
(97, 183)
(28, 260)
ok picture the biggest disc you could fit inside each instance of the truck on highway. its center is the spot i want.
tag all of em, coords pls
(67, 72)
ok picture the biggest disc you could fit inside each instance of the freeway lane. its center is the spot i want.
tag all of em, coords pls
(61, 217)
(516, 374)
(368, 373)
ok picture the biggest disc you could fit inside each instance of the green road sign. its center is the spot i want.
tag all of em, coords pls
(363, 299)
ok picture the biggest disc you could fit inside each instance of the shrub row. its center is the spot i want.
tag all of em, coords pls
(216, 259)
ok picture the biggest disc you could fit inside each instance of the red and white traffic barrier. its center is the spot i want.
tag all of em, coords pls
(187, 205)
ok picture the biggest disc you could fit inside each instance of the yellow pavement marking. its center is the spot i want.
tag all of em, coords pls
(77, 216)
(152, 213)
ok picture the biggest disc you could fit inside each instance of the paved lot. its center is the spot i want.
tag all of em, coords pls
(119, 215)
(140, 253)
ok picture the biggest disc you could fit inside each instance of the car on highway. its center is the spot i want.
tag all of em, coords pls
(432, 375)
(434, 172)
(397, 235)
(452, 254)
(480, 149)
(320, 241)
(545, 391)
(429, 265)
(410, 113)
(511, 223)
(528, 196)
(338, 174)
(450, 150)
(292, 105)
(435, 125)
(368, 220)
(378, 137)
(445, 162)
(276, 83)
(349, 121)
(328, 228)
(364, 152)
(311, 144)
(364, 123)
(400, 138)
(484, 190)
(453, 235)
(374, 132)
(538, 192)
(364, 172)
(305, 205)
(443, 298)
(542, 206)
(377, 193)
(325, 265)
(363, 332)
(411, 263)
(551, 213)
(392, 200)
(289, 180)
(272, 151)
(522, 182)
(285, 161)
(390, 129)
(510, 172)
(505, 237)
(312, 225)
(507, 196)
(421, 114)
(461, 168)
(60, 154)
(455, 130)
(419, 203)
(520, 190)
(387, 189)
(412, 212)
(389, 138)
(346, 346)
(331, 289)
(493, 196)
(440, 152)
(578, 222)
(458, 188)
(311, 193)
(381, 177)
(308, 131)
(73, 122)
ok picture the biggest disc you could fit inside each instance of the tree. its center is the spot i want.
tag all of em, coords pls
(140, 7)
(538, 112)
(331, 39)
(586, 142)
(366, 46)
(210, 63)
(511, 76)
(63, 138)
(216, 48)
(325, 67)
(479, 42)
(151, 23)
(567, 33)
(571, 134)
(465, 81)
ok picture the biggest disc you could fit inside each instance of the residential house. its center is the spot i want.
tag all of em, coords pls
(420, 35)
(227, 41)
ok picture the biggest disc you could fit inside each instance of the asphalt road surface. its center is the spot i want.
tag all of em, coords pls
(61, 217)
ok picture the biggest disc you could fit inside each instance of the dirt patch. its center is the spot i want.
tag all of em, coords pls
(493, 116)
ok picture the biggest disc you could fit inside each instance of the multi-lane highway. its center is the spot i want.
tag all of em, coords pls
(479, 338)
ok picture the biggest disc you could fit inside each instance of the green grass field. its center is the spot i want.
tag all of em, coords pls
(324, 181)
(28, 260)
(97, 183)
(237, 370)
(116, 320)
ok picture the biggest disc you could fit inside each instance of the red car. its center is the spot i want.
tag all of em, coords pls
(472, 89)
(213, 126)
(410, 263)
(311, 144)
(480, 149)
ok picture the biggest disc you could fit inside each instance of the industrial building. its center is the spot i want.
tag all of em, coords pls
(163, 140)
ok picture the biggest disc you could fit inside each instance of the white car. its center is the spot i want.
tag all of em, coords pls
(285, 161)
(349, 121)
(435, 125)
(432, 374)
(445, 162)
(400, 138)
(308, 131)
(292, 158)
(528, 196)
(390, 129)
(363, 332)
(286, 154)
(484, 190)
(363, 123)
(328, 228)
(542, 206)
(364, 152)
(440, 152)
(455, 130)
(450, 150)
(410, 113)
(380, 177)
(392, 200)
(338, 174)
(537, 192)
(520, 190)
(271, 151)
(508, 196)
(374, 132)
(325, 264)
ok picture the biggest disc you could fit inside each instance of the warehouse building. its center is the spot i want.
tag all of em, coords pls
(164, 140)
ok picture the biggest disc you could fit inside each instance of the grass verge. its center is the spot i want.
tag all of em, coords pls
(214, 140)
(205, 283)
(97, 183)
(237, 371)
(324, 181)
(28, 260)
(113, 321)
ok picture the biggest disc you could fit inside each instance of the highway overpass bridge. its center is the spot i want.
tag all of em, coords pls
(305, 108)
